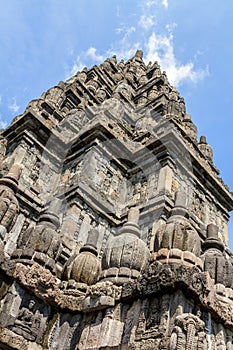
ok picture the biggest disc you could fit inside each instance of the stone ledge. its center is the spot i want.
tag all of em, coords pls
(16, 342)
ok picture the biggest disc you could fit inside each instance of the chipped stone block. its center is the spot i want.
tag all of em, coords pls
(102, 302)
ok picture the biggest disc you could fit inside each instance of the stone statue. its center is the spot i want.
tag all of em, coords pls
(206, 149)
(27, 322)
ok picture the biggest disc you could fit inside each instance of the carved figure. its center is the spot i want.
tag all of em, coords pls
(101, 95)
(186, 331)
(82, 76)
(55, 95)
(25, 316)
(124, 89)
(27, 322)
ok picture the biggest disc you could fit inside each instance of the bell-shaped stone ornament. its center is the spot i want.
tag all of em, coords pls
(220, 267)
(177, 241)
(85, 266)
(126, 256)
(41, 243)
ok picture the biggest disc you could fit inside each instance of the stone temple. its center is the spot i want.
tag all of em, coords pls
(113, 220)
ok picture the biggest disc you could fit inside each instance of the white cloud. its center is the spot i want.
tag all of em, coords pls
(124, 51)
(126, 31)
(165, 3)
(86, 56)
(70, 51)
(149, 3)
(146, 22)
(156, 46)
(124, 48)
(13, 106)
(160, 48)
(77, 66)
(92, 53)
(171, 26)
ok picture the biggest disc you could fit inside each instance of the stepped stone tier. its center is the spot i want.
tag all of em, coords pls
(113, 220)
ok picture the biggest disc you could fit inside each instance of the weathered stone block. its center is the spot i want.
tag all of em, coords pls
(102, 302)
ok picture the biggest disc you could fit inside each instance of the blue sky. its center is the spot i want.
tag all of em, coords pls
(43, 42)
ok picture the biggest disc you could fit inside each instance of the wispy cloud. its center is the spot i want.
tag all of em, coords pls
(118, 11)
(125, 30)
(90, 55)
(13, 106)
(124, 48)
(170, 27)
(149, 3)
(144, 32)
(77, 66)
(160, 48)
(165, 3)
(146, 22)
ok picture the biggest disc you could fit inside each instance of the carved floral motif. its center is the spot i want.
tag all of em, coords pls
(37, 278)
(106, 288)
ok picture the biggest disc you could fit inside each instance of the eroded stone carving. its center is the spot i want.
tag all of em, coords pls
(40, 280)
(27, 322)
(185, 334)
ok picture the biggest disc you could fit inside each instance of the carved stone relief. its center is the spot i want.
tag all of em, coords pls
(185, 334)
(198, 207)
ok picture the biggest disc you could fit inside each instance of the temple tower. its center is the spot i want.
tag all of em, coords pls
(113, 219)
